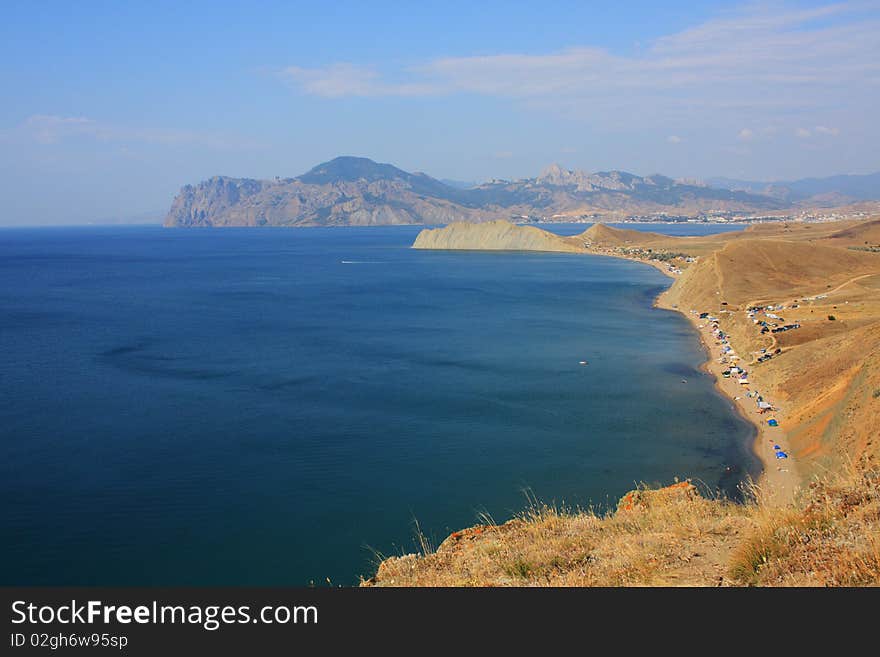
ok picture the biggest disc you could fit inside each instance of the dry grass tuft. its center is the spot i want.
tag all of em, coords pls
(668, 536)
(831, 539)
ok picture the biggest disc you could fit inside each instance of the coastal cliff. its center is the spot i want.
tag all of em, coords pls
(317, 201)
(496, 235)
(797, 306)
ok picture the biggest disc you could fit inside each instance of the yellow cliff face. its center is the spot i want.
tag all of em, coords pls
(494, 236)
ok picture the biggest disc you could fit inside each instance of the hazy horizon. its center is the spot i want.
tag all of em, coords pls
(107, 111)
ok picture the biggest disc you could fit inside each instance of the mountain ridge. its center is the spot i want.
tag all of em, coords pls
(836, 189)
(351, 190)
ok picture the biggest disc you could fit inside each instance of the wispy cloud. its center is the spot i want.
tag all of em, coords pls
(762, 59)
(746, 134)
(821, 130)
(345, 79)
(49, 129)
(673, 139)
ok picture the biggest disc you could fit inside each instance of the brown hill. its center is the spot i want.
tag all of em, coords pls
(861, 234)
(493, 236)
(748, 271)
(604, 235)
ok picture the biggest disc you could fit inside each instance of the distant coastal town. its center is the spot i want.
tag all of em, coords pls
(805, 216)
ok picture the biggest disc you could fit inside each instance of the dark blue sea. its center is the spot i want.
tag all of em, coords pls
(279, 406)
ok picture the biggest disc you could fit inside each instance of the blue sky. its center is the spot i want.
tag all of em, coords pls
(109, 107)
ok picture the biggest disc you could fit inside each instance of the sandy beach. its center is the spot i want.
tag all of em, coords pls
(779, 479)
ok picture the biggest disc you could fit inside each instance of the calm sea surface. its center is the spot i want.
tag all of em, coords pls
(277, 406)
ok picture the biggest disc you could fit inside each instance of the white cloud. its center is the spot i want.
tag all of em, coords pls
(673, 139)
(757, 63)
(746, 134)
(503, 155)
(345, 79)
(831, 132)
(49, 129)
(807, 133)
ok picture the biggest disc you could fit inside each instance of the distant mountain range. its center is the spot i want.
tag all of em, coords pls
(836, 189)
(359, 191)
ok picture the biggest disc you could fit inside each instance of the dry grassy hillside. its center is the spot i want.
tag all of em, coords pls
(747, 271)
(608, 236)
(861, 234)
(758, 270)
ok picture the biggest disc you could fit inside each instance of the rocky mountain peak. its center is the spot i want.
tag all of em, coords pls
(554, 175)
(348, 168)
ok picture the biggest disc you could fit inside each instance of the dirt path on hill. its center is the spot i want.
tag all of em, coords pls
(843, 285)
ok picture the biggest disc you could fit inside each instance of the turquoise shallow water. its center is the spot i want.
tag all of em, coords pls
(274, 406)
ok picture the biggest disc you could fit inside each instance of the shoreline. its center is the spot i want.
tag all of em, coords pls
(777, 484)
